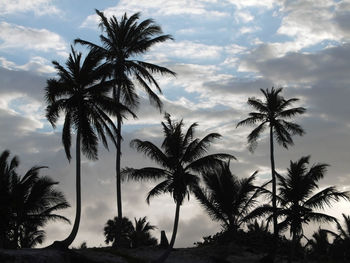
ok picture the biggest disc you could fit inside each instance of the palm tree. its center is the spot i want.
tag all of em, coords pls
(141, 233)
(81, 94)
(298, 201)
(122, 43)
(182, 158)
(7, 171)
(125, 228)
(273, 111)
(30, 202)
(342, 237)
(130, 235)
(319, 244)
(227, 198)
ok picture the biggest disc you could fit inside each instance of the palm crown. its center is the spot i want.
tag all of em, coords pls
(182, 158)
(28, 203)
(227, 198)
(82, 94)
(273, 112)
(298, 200)
(124, 40)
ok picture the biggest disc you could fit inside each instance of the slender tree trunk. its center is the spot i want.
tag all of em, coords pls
(69, 240)
(163, 257)
(64, 244)
(274, 206)
(117, 164)
(118, 177)
(293, 246)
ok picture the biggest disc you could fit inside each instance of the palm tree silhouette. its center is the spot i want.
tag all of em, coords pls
(130, 235)
(319, 244)
(342, 237)
(182, 158)
(273, 111)
(28, 202)
(82, 94)
(122, 42)
(227, 198)
(298, 201)
(141, 235)
(125, 229)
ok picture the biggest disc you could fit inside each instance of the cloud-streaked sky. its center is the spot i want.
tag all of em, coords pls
(224, 51)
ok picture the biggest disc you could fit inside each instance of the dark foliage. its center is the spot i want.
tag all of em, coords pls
(27, 203)
(132, 236)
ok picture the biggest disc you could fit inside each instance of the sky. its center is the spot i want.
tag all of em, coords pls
(223, 52)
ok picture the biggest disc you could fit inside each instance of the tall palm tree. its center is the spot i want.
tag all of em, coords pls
(182, 159)
(81, 94)
(30, 202)
(122, 42)
(227, 198)
(298, 201)
(273, 112)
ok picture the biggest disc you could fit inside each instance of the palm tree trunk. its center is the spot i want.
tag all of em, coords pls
(117, 161)
(69, 240)
(293, 246)
(163, 257)
(274, 206)
(118, 177)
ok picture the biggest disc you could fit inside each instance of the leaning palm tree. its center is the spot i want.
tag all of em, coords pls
(273, 112)
(30, 202)
(81, 94)
(298, 201)
(122, 42)
(226, 198)
(182, 158)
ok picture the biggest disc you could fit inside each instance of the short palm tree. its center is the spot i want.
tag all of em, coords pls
(130, 235)
(226, 198)
(273, 112)
(298, 201)
(30, 202)
(182, 159)
(81, 94)
(319, 244)
(122, 43)
(141, 235)
(342, 237)
(125, 228)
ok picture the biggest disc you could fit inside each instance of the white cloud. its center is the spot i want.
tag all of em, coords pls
(160, 8)
(35, 64)
(254, 3)
(185, 50)
(243, 16)
(39, 7)
(20, 37)
(248, 29)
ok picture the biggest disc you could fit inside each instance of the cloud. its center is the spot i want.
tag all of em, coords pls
(20, 37)
(268, 4)
(161, 8)
(39, 7)
(35, 64)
